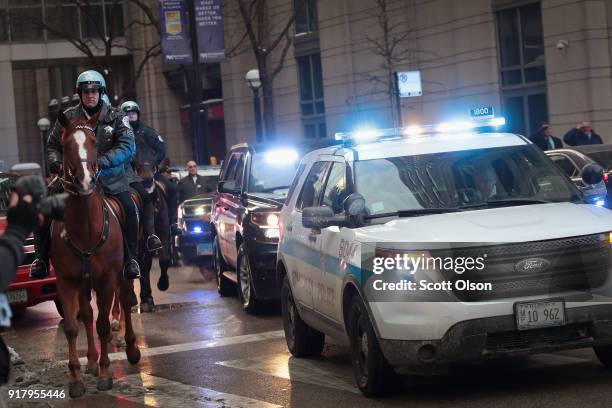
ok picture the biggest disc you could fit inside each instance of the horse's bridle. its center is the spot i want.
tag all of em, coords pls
(70, 184)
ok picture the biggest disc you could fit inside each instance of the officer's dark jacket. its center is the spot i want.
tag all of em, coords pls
(11, 254)
(574, 138)
(149, 148)
(114, 140)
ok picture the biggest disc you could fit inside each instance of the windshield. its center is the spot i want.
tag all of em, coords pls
(6, 182)
(461, 179)
(273, 177)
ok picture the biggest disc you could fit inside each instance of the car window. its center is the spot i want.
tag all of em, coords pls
(313, 185)
(231, 168)
(566, 165)
(296, 179)
(239, 171)
(335, 189)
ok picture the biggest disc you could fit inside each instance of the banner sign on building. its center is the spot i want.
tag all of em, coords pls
(209, 23)
(175, 32)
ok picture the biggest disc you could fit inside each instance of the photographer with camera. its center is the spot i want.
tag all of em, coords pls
(28, 208)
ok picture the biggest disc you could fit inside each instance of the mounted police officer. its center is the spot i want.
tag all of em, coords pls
(116, 147)
(149, 149)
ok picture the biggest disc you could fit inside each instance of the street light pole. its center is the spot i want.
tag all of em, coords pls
(200, 135)
(43, 125)
(257, 111)
(254, 82)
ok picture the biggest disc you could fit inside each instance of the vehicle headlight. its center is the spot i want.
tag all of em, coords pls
(265, 220)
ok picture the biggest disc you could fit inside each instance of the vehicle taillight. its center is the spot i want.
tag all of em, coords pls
(605, 177)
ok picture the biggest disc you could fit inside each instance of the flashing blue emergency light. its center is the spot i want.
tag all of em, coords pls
(197, 230)
(367, 135)
(600, 203)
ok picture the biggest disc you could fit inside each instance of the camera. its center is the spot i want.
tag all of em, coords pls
(50, 207)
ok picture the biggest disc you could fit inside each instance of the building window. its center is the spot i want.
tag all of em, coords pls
(312, 102)
(25, 21)
(305, 16)
(522, 67)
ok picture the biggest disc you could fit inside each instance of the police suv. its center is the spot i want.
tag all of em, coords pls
(428, 246)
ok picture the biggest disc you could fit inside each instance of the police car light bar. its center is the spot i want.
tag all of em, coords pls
(365, 135)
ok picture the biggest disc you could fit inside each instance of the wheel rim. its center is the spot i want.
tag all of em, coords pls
(362, 346)
(245, 281)
(217, 264)
(290, 321)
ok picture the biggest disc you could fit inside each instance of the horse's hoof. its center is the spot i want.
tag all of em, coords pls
(77, 389)
(104, 383)
(93, 369)
(133, 355)
(163, 283)
(115, 325)
(147, 307)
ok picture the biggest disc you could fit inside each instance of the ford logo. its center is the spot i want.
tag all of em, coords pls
(532, 265)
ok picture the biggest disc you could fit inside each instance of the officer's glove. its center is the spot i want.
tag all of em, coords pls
(23, 215)
(103, 162)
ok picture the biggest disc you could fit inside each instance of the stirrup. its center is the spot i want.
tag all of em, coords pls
(153, 243)
(39, 269)
(128, 266)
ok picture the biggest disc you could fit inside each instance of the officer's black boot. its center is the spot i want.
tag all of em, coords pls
(40, 266)
(131, 269)
(153, 241)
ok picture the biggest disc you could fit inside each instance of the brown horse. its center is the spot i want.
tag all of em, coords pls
(87, 253)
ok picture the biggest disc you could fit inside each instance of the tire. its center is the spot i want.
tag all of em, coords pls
(246, 292)
(302, 340)
(59, 307)
(224, 286)
(604, 354)
(373, 373)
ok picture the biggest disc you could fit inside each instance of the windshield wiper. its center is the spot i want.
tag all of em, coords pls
(414, 213)
(507, 202)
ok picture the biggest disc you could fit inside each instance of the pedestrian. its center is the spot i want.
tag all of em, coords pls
(193, 184)
(164, 175)
(583, 134)
(116, 147)
(545, 140)
(149, 149)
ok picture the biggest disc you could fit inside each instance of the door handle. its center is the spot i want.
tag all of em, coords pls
(289, 228)
(312, 237)
(226, 208)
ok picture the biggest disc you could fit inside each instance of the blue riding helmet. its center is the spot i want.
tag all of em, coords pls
(91, 79)
(130, 106)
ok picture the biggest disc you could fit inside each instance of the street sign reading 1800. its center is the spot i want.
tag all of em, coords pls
(409, 84)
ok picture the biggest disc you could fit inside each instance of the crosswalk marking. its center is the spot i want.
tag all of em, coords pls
(302, 370)
(160, 392)
(196, 345)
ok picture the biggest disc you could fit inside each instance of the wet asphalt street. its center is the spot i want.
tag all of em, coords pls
(200, 350)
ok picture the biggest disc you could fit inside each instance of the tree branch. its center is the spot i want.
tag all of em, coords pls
(283, 57)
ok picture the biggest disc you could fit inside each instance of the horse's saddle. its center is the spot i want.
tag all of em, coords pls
(117, 208)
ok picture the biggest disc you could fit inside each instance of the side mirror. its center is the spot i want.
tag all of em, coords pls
(592, 174)
(354, 204)
(229, 187)
(318, 218)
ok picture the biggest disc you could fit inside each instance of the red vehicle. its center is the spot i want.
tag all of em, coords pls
(25, 291)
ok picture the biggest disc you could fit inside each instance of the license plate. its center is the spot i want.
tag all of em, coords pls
(540, 314)
(204, 249)
(17, 296)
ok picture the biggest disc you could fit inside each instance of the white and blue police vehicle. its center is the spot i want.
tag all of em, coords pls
(520, 261)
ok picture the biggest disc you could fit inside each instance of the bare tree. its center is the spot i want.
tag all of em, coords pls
(100, 46)
(392, 47)
(257, 35)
